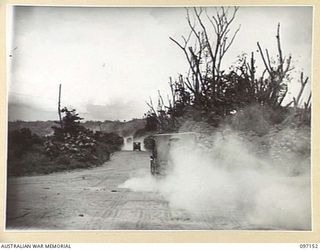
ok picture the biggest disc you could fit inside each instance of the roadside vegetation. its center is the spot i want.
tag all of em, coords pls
(248, 97)
(71, 146)
(212, 94)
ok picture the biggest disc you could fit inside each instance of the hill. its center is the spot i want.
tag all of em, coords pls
(43, 128)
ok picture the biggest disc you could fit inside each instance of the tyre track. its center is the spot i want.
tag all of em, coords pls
(86, 201)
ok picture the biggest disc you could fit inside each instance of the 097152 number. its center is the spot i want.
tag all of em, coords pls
(309, 246)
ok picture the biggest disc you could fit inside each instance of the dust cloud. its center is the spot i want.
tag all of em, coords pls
(223, 174)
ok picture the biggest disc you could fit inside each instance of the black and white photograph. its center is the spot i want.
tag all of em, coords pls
(159, 118)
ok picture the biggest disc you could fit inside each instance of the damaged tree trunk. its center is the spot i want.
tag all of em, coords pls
(59, 108)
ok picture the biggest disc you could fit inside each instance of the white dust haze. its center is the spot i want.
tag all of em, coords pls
(229, 177)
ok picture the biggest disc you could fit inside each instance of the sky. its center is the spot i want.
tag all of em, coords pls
(111, 60)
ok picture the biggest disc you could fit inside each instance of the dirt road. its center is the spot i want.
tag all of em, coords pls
(92, 200)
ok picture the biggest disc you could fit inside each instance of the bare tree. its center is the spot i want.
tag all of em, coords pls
(211, 42)
(274, 86)
(303, 82)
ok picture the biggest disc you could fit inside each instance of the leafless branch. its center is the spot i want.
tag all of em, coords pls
(263, 59)
(303, 83)
(279, 46)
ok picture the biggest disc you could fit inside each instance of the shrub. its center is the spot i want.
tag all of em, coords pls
(114, 141)
(21, 141)
(63, 159)
(71, 146)
(31, 162)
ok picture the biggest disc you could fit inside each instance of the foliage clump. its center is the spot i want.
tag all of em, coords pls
(71, 146)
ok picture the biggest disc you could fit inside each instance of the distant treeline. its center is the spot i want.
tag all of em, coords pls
(43, 128)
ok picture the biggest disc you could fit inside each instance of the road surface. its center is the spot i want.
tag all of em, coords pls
(92, 200)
